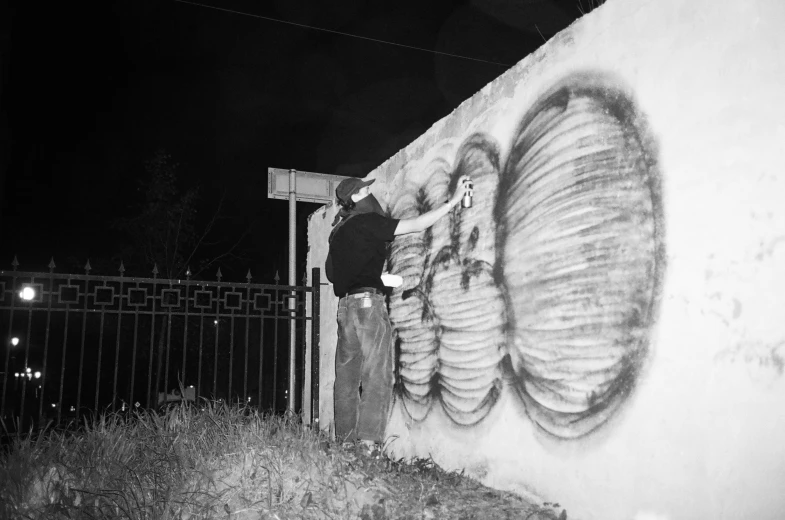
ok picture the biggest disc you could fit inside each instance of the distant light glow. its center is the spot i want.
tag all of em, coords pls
(54, 405)
(27, 293)
(37, 374)
(28, 370)
(14, 341)
(216, 322)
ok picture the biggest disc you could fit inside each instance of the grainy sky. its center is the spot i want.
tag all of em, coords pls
(91, 89)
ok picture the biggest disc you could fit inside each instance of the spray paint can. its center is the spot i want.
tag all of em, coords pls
(466, 202)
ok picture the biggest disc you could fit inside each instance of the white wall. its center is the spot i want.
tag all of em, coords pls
(620, 350)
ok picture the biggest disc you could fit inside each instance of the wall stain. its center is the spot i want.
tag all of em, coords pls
(765, 362)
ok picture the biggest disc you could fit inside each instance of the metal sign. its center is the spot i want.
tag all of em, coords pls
(310, 187)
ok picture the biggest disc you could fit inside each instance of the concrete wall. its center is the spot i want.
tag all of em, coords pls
(604, 328)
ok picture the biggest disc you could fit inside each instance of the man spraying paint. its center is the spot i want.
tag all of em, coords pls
(363, 356)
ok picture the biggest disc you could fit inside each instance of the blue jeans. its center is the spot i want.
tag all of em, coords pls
(363, 368)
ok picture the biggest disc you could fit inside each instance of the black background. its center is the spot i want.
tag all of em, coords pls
(91, 89)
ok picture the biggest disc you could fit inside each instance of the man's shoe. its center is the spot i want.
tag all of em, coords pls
(369, 449)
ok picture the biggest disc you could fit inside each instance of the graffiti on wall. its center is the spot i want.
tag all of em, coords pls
(548, 285)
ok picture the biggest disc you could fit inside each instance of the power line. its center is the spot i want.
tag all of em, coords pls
(341, 33)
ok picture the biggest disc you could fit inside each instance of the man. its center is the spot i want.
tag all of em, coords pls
(363, 356)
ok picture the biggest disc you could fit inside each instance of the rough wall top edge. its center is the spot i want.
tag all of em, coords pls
(456, 121)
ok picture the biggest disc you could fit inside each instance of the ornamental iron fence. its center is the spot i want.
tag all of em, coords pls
(77, 344)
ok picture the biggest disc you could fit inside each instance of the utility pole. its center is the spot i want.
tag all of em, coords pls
(292, 283)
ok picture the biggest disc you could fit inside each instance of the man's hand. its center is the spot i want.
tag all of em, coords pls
(426, 220)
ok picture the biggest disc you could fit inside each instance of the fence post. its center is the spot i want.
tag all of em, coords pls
(315, 306)
(8, 346)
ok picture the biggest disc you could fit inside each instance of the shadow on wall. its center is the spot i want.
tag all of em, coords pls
(553, 284)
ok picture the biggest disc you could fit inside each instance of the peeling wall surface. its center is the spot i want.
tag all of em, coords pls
(605, 327)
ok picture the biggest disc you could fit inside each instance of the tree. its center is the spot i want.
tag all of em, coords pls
(165, 231)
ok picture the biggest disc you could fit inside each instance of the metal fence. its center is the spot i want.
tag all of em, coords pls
(77, 344)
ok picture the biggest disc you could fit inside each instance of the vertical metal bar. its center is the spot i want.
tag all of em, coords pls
(275, 353)
(215, 348)
(304, 350)
(159, 353)
(62, 362)
(247, 326)
(292, 283)
(81, 350)
(185, 337)
(100, 351)
(168, 348)
(27, 357)
(261, 356)
(46, 349)
(315, 335)
(150, 395)
(8, 345)
(117, 344)
(290, 408)
(131, 399)
(201, 346)
(231, 356)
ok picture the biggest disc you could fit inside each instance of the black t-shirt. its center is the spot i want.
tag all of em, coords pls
(358, 251)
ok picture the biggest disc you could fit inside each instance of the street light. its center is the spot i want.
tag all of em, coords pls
(27, 293)
(14, 341)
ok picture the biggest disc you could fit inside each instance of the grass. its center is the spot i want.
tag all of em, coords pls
(231, 463)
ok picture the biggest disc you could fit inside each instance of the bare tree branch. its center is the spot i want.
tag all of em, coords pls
(177, 236)
(164, 227)
(208, 228)
(227, 253)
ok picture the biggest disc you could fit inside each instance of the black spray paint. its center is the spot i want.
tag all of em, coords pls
(550, 285)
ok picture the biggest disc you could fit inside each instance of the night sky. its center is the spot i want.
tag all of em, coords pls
(90, 90)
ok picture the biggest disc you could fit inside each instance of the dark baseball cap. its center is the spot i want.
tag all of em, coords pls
(349, 187)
